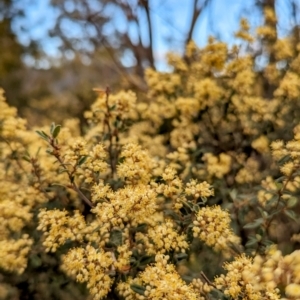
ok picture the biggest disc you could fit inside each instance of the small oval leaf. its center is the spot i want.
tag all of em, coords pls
(52, 126)
(292, 202)
(139, 289)
(82, 160)
(254, 224)
(145, 260)
(181, 256)
(56, 131)
(291, 214)
(43, 135)
(251, 243)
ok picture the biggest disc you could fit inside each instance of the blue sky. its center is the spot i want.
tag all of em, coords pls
(223, 18)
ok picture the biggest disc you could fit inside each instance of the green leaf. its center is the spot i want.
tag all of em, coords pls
(56, 131)
(106, 136)
(35, 261)
(27, 158)
(145, 260)
(233, 194)
(292, 202)
(141, 227)
(52, 126)
(116, 123)
(132, 261)
(284, 159)
(258, 237)
(116, 237)
(113, 107)
(139, 289)
(254, 224)
(274, 213)
(204, 199)
(188, 205)
(82, 160)
(60, 171)
(180, 256)
(280, 179)
(37, 152)
(272, 201)
(49, 151)
(172, 213)
(54, 184)
(251, 242)
(291, 214)
(267, 242)
(187, 220)
(43, 135)
(263, 213)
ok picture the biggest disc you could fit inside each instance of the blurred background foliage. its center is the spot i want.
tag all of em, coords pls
(105, 43)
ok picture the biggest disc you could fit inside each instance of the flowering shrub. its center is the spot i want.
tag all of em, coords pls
(156, 195)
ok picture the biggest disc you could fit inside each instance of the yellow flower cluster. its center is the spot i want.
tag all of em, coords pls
(236, 284)
(267, 193)
(195, 189)
(163, 238)
(160, 281)
(213, 56)
(207, 92)
(189, 107)
(21, 188)
(75, 151)
(117, 212)
(202, 287)
(14, 215)
(217, 166)
(93, 266)
(179, 158)
(289, 87)
(132, 205)
(141, 133)
(283, 49)
(249, 173)
(100, 191)
(59, 227)
(172, 188)
(120, 105)
(169, 85)
(212, 226)
(95, 164)
(137, 165)
(221, 107)
(275, 270)
(290, 150)
(261, 144)
(267, 32)
(11, 125)
(13, 253)
(122, 264)
(243, 33)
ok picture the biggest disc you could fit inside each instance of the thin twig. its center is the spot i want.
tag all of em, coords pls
(70, 174)
(207, 280)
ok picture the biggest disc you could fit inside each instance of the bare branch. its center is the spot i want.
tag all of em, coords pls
(197, 10)
(145, 4)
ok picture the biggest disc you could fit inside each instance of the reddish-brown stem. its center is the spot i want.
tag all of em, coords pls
(70, 174)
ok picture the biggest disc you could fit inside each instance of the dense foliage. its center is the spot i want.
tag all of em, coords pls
(191, 193)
